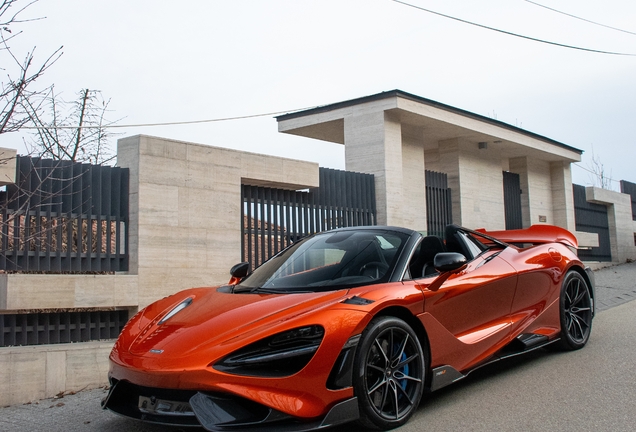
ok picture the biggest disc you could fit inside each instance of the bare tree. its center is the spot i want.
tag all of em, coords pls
(31, 213)
(599, 175)
(19, 72)
(75, 131)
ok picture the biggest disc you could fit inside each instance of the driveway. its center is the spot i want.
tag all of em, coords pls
(590, 389)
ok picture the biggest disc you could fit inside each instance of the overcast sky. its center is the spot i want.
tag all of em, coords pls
(168, 61)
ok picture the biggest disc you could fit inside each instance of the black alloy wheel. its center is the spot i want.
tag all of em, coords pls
(390, 369)
(576, 312)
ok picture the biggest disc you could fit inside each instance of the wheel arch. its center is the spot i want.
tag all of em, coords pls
(580, 270)
(405, 315)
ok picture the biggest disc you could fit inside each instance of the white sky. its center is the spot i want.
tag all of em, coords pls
(168, 61)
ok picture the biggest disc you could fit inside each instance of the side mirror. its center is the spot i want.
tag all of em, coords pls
(240, 270)
(448, 261)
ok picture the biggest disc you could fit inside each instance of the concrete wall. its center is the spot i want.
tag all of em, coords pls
(619, 216)
(184, 231)
(42, 371)
(185, 209)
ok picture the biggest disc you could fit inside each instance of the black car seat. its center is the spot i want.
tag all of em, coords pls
(422, 265)
(453, 241)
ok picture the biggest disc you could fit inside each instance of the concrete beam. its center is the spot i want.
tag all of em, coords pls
(7, 166)
(46, 291)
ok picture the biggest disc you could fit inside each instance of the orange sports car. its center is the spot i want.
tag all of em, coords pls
(353, 324)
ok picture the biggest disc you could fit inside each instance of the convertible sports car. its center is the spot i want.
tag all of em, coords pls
(350, 324)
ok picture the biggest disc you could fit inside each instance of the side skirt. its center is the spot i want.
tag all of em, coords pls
(443, 376)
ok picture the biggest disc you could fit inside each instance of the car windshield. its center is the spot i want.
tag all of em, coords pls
(327, 261)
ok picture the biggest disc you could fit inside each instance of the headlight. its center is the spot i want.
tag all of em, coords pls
(280, 355)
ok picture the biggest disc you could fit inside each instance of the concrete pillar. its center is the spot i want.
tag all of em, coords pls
(413, 205)
(476, 181)
(375, 145)
(537, 203)
(562, 195)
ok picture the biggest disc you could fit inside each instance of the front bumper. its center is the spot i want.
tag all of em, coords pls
(215, 411)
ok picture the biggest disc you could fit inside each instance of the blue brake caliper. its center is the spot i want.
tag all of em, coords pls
(404, 370)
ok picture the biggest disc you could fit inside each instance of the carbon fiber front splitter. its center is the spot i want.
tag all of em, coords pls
(221, 413)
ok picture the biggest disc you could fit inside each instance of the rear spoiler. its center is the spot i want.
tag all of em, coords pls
(536, 234)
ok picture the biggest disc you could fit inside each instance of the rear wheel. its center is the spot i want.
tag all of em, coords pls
(389, 374)
(575, 311)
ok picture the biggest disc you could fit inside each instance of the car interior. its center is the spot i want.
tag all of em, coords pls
(422, 261)
(455, 240)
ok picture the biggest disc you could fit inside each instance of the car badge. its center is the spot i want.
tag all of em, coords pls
(156, 351)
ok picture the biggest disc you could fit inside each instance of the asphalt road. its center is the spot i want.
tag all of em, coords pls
(590, 389)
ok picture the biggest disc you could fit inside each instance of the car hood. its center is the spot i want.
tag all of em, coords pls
(220, 321)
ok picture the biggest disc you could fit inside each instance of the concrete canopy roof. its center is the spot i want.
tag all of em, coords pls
(429, 120)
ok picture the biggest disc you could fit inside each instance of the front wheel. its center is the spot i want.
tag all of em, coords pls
(575, 312)
(390, 370)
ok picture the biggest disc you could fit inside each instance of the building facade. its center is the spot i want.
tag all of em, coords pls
(397, 136)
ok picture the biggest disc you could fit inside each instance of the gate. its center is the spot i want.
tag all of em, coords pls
(271, 219)
(63, 216)
(590, 217)
(512, 200)
(438, 203)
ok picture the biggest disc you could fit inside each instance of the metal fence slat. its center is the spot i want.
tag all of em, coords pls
(52, 218)
(281, 216)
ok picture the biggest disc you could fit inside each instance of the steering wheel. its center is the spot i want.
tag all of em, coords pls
(374, 269)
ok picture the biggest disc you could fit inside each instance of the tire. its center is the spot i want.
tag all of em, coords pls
(389, 373)
(575, 312)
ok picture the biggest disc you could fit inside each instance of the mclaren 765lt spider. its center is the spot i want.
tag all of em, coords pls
(353, 324)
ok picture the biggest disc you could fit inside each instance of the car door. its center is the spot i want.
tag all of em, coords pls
(468, 317)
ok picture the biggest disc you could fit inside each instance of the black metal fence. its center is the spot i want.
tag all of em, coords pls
(590, 217)
(630, 189)
(273, 218)
(64, 217)
(60, 327)
(439, 207)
